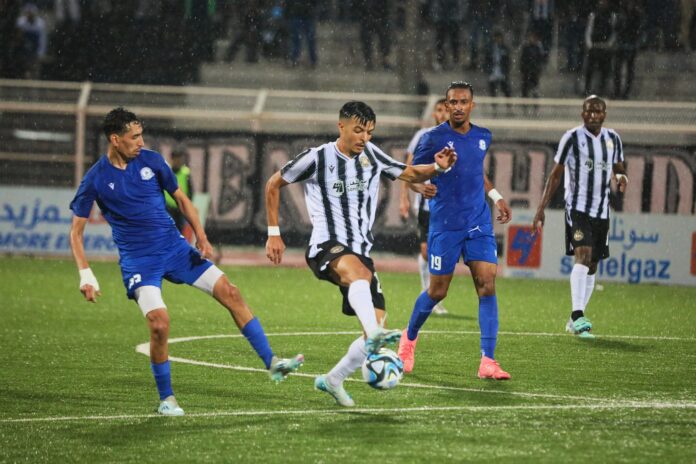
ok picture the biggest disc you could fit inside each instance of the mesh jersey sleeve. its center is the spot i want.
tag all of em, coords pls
(425, 150)
(81, 204)
(564, 147)
(618, 154)
(300, 168)
(165, 175)
(388, 166)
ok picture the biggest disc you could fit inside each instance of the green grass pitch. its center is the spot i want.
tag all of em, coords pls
(73, 387)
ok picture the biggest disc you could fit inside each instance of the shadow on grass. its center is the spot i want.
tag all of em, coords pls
(619, 345)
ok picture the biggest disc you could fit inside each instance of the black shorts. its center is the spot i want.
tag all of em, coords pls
(331, 250)
(583, 230)
(423, 225)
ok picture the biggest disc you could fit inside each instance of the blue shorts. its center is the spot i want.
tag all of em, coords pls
(445, 248)
(181, 263)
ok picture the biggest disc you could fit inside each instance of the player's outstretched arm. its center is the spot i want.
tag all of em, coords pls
(504, 211)
(620, 175)
(404, 200)
(552, 184)
(191, 214)
(88, 282)
(444, 159)
(275, 247)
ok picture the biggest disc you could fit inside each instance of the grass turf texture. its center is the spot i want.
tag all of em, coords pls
(616, 399)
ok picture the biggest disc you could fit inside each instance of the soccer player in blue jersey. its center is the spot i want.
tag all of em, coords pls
(127, 184)
(460, 226)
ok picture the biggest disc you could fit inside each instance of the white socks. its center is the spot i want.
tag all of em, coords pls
(360, 299)
(578, 286)
(348, 364)
(589, 288)
(424, 272)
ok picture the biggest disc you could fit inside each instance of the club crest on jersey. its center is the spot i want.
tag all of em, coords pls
(610, 145)
(146, 173)
(364, 160)
(338, 188)
(482, 144)
(337, 249)
(578, 235)
(589, 164)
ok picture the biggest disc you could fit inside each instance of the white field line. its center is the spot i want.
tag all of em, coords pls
(370, 411)
(144, 348)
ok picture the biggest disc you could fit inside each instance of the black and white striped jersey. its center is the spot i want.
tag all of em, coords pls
(588, 162)
(341, 192)
(419, 202)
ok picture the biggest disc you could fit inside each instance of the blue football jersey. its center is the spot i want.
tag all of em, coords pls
(460, 202)
(132, 202)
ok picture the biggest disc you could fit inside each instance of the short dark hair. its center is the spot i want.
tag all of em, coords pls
(441, 101)
(358, 110)
(118, 120)
(594, 99)
(459, 85)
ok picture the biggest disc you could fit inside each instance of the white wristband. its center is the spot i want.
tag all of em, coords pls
(87, 278)
(494, 195)
(440, 170)
(273, 231)
(621, 176)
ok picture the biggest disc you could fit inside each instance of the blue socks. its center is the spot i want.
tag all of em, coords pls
(163, 378)
(257, 339)
(421, 311)
(488, 323)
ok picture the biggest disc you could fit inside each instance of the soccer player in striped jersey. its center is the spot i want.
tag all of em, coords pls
(341, 182)
(588, 155)
(460, 227)
(424, 192)
(127, 184)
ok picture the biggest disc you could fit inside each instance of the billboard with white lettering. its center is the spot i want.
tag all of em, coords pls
(643, 248)
(37, 221)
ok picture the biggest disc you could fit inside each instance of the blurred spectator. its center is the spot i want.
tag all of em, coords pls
(629, 30)
(66, 50)
(686, 31)
(481, 13)
(541, 21)
(447, 17)
(301, 14)
(249, 24)
(531, 64)
(374, 19)
(661, 29)
(183, 177)
(9, 38)
(573, 24)
(498, 66)
(600, 38)
(33, 41)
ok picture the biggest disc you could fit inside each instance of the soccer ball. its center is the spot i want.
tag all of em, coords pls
(383, 370)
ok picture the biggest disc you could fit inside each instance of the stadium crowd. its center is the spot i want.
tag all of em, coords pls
(165, 41)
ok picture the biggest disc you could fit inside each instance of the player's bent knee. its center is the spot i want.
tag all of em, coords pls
(206, 282)
(149, 298)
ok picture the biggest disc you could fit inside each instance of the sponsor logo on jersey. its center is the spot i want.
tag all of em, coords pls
(337, 249)
(578, 235)
(357, 185)
(331, 168)
(111, 185)
(482, 144)
(364, 160)
(450, 144)
(337, 188)
(146, 173)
